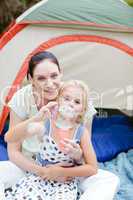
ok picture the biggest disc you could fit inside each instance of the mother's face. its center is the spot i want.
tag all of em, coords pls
(47, 79)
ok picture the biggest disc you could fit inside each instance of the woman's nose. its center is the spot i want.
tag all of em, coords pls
(49, 83)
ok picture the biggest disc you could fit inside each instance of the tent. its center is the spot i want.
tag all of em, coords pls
(93, 41)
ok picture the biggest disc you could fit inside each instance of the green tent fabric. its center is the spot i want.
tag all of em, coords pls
(109, 12)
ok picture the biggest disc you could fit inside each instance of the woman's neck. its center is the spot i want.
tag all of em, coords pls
(40, 101)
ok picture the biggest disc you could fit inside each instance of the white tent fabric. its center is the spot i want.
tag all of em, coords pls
(107, 70)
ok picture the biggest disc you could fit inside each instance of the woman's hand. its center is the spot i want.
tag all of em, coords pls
(52, 172)
(72, 149)
(36, 127)
(45, 112)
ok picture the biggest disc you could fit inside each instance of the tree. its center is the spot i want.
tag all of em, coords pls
(30, 3)
(11, 9)
(130, 2)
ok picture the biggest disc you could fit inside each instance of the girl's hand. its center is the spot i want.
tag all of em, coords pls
(72, 149)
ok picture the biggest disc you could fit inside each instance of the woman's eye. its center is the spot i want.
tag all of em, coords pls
(54, 76)
(41, 79)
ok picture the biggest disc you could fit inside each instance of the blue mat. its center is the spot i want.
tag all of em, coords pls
(122, 166)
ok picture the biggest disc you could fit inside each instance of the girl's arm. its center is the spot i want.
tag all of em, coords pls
(88, 125)
(72, 148)
(89, 168)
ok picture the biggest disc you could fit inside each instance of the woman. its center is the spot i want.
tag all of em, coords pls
(62, 120)
(45, 75)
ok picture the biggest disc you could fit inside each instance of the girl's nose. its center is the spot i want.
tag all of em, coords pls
(71, 103)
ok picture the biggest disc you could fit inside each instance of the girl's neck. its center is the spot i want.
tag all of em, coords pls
(63, 123)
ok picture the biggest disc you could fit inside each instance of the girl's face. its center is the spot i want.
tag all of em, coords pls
(72, 97)
(46, 80)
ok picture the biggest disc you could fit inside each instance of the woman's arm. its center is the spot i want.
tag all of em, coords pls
(14, 150)
(23, 129)
(16, 156)
(18, 132)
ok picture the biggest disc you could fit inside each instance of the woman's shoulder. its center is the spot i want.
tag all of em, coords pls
(24, 90)
(20, 101)
(22, 93)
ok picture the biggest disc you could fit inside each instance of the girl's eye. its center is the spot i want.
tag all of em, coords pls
(66, 98)
(77, 101)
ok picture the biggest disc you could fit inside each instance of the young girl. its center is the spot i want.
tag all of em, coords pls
(61, 121)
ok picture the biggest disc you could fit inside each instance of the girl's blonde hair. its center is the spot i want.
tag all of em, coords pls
(84, 87)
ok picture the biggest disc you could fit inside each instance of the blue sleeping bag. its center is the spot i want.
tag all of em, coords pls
(3, 149)
(111, 136)
(3, 152)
